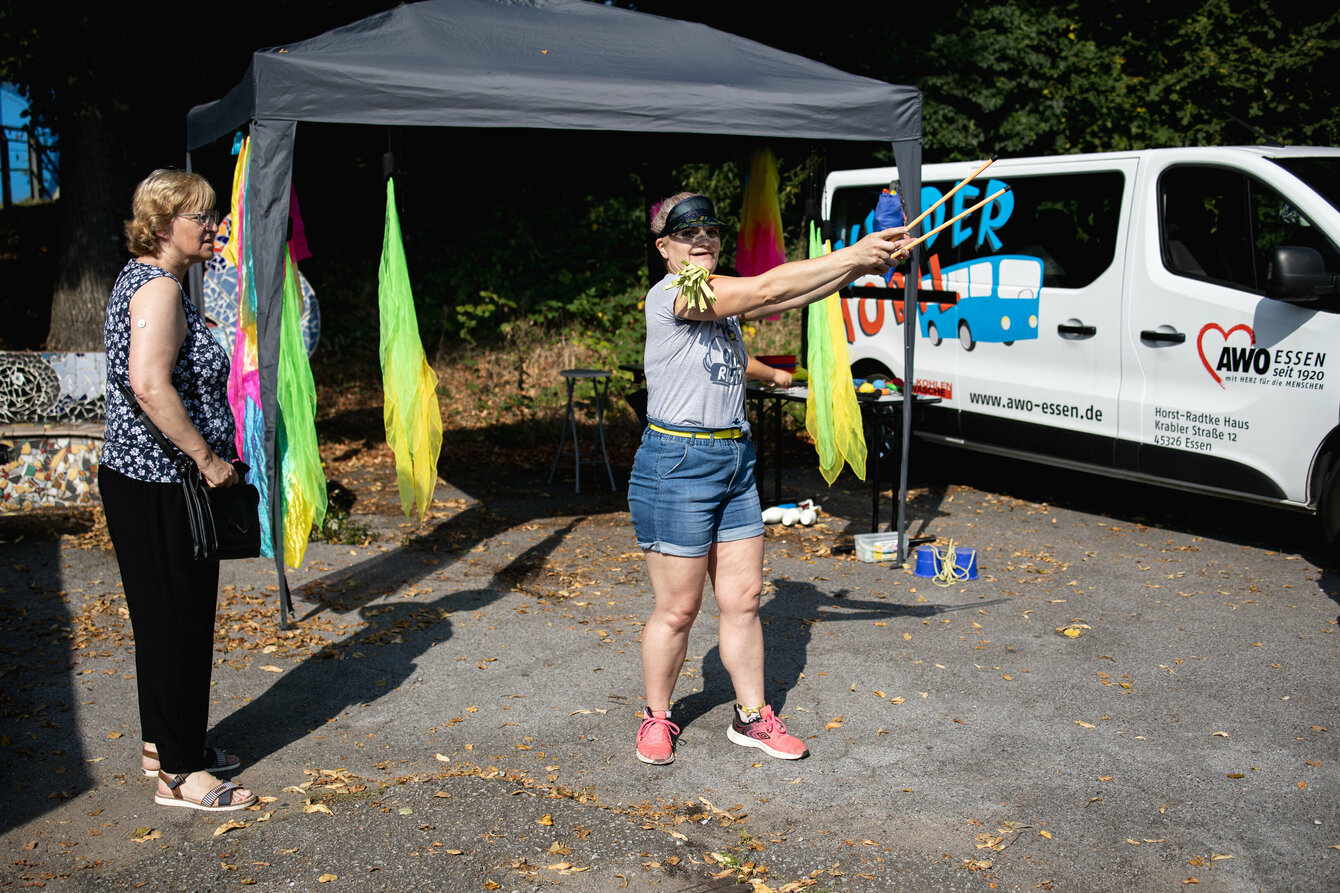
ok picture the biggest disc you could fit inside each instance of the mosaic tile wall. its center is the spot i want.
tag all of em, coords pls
(51, 410)
(46, 471)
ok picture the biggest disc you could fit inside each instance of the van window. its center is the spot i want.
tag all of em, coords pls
(1322, 174)
(1220, 225)
(1068, 221)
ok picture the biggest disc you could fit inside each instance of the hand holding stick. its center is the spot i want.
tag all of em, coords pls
(955, 219)
(944, 198)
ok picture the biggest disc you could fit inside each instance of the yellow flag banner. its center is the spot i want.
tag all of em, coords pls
(832, 413)
(409, 384)
(302, 479)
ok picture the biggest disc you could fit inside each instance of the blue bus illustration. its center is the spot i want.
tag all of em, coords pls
(997, 303)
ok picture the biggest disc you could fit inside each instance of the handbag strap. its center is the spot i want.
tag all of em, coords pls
(138, 412)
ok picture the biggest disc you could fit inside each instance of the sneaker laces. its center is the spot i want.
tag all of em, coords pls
(771, 724)
(660, 723)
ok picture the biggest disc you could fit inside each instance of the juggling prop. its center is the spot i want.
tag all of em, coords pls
(832, 413)
(301, 481)
(759, 247)
(409, 385)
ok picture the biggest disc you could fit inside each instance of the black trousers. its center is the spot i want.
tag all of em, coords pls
(172, 600)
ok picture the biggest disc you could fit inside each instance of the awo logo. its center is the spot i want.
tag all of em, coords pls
(1231, 354)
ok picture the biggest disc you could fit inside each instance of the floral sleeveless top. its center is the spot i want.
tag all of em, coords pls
(200, 378)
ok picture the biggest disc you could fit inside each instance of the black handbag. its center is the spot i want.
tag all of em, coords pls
(225, 521)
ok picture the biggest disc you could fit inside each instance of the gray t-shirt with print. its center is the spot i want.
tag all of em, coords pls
(695, 370)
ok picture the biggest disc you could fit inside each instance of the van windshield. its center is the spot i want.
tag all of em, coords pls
(1322, 174)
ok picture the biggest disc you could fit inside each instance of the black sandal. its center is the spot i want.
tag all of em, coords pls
(218, 799)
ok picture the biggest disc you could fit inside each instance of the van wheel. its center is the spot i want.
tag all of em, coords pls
(933, 334)
(1008, 343)
(1328, 508)
(965, 336)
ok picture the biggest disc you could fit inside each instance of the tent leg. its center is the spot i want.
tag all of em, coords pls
(285, 600)
(907, 156)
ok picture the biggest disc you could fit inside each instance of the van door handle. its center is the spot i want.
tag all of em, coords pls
(1164, 337)
(1073, 328)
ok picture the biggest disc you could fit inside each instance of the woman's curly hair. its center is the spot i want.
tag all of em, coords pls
(160, 197)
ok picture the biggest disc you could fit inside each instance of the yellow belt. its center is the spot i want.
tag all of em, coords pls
(721, 434)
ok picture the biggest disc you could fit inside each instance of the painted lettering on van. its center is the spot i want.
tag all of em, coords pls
(870, 313)
(1235, 362)
(989, 219)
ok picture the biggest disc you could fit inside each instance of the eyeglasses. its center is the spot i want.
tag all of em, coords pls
(690, 234)
(206, 219)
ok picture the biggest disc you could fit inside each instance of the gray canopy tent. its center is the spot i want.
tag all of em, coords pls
(551, 64)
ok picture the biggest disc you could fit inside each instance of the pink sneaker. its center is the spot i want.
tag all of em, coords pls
(656, 739)
(768, 734)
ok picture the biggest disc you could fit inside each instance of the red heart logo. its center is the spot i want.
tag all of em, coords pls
(1200, 344)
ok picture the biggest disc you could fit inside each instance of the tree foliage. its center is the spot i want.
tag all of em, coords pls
(1016, 77)
(1030, 78)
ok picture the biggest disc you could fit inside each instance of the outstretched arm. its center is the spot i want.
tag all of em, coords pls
(799, 282)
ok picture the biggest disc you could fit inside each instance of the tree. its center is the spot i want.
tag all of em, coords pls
(116, 88)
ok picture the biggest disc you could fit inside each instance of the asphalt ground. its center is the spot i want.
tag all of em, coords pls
(1137, 693)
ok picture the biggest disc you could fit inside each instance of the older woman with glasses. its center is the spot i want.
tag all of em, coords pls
(695, 509)
(158, 344)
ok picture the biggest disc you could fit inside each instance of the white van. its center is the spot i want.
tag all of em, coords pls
(1170, 316)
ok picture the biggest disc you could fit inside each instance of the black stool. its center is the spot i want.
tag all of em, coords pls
(599, 379)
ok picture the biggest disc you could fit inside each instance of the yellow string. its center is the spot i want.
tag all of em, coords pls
(945, 564)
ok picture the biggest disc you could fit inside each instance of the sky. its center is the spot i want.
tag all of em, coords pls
(12, 107)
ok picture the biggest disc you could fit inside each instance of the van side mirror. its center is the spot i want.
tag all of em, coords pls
(1296, 274)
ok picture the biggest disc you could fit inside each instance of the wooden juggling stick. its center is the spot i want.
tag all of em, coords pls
(955, 219)
(944, 198)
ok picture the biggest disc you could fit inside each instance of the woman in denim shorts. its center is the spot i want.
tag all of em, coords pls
(695, 508)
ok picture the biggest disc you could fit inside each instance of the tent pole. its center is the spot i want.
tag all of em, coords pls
(268, 194)
(907, 157)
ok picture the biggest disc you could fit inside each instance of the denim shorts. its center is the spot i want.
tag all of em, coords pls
(687, 493)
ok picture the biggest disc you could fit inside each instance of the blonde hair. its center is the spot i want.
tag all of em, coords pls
(160, 197)
(661, 210)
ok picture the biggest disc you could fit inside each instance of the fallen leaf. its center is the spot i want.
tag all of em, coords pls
(327, 878)
(442, 758)
(140, 835)
(228, 826)
(1314, 763)
(1046, 834)
(880, 694)
(1219, 735)
(317, 807)
(1215, 857)
(271, 668)
(113, 735)
(545, 820)
(1086, 725)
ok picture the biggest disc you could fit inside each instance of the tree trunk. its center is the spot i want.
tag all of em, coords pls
(90, 248)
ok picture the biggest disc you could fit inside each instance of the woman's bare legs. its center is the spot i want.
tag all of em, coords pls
(677, 586)
(736, 569)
